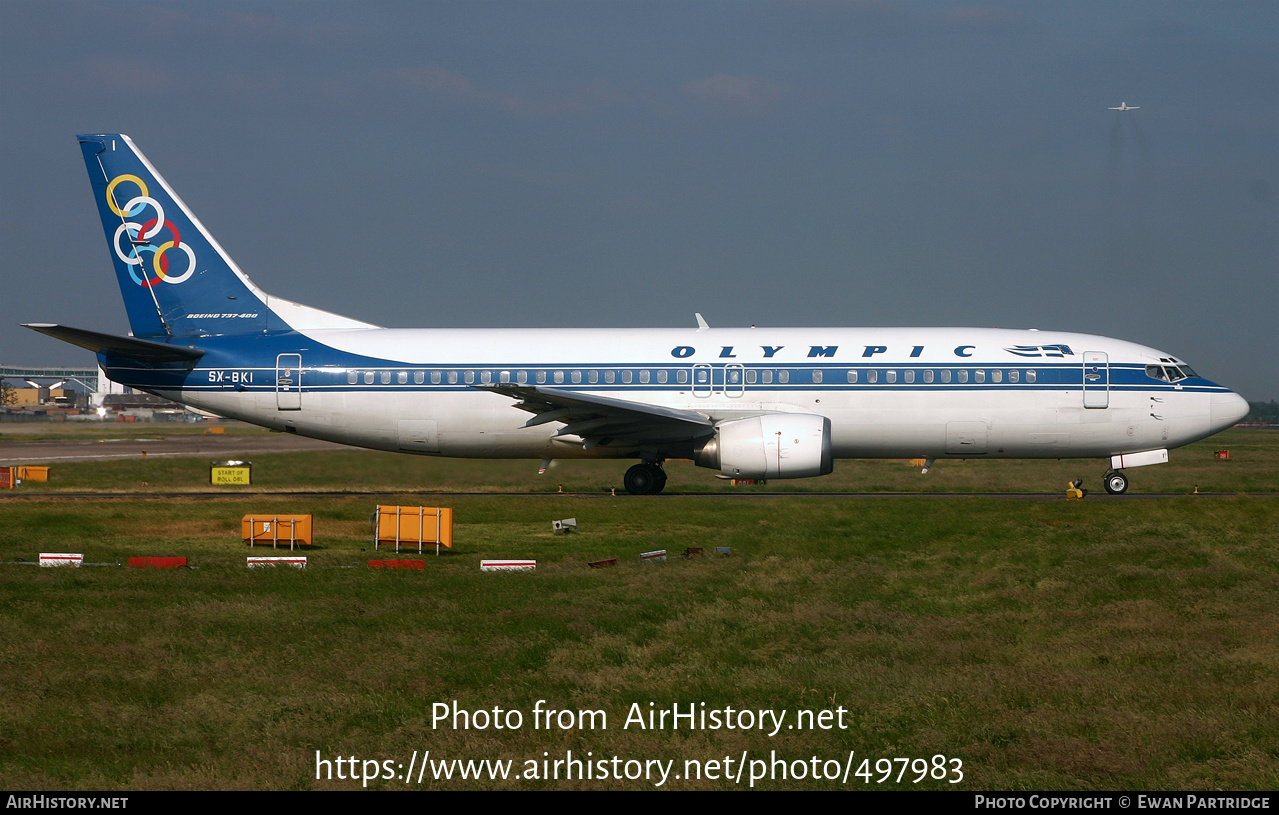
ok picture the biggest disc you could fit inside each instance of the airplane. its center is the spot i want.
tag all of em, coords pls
(750, 403)
(1125, 106)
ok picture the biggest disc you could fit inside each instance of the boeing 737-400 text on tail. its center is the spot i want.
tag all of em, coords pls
(751, 403)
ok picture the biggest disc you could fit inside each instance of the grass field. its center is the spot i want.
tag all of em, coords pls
(1045, 644)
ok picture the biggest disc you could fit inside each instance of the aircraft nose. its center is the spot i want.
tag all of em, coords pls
(1228, 409)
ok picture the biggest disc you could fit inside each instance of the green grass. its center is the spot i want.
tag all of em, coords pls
(1047, 644)
(1252, 467)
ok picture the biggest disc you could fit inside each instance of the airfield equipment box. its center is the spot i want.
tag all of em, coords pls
(413, 526)
(8, 478)
(277, 530)
(29, 472)
(230, 473)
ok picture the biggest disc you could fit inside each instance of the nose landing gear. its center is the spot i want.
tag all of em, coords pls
(1116, 483)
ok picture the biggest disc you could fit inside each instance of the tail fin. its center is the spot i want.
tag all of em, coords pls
(176, 280)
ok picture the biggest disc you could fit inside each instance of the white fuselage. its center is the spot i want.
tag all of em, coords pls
(888, 392)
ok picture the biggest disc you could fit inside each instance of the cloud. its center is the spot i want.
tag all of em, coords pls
(742, 91)
(442, 82)
(582, 97)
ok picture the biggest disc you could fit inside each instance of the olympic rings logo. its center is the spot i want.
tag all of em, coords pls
(138, 235)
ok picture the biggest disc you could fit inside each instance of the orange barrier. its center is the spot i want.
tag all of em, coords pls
(413, 525)
(295, 530)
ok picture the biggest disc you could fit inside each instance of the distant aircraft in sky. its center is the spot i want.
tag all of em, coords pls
(749, 403)
(1126, 106)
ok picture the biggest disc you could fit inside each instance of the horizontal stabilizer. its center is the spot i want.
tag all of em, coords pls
(144, 351)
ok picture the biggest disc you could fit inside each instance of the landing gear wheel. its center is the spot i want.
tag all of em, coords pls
(645, 479)
(1116, 483)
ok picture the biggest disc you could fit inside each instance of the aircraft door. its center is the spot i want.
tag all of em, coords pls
(734, 380)
(288, 382)
(1096, 379)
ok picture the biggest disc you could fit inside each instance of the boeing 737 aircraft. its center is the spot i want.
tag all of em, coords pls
(752, 403)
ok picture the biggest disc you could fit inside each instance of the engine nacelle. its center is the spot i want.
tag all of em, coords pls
(775, 445)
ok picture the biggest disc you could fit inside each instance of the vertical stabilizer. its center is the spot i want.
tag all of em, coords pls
(176, 280)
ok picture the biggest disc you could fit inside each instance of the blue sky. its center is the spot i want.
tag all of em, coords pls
(626, 164)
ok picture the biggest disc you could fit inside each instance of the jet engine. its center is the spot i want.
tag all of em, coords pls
(775, 445)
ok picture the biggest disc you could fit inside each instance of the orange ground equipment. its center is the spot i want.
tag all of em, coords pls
(413, 526)
(277, 530)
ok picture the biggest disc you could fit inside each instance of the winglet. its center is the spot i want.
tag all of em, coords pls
(701, 321)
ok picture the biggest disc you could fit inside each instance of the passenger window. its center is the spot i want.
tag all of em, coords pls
(402, 377)
(768, 376)
(644, 377)
(963, 375)
(852, 376)
(559, 377)
(592, 376)
(541, 377)
(435, 377)
(979, 375)
(661, 377)
(521, 377)
(626, 378)
(945, 375)
(368, 377)
(928, 375)
(452, 377)
(910, 376)
(890, 376)
(817, 377)
(486, 377)
(575, 377)
(872, 376)
(1031, 376)
(681, 376)
(504, 376)
(1014, 376)
(419, 377)
(996, 375)
(751, 376)
(783, 376)
(352, 377)
(470, 377)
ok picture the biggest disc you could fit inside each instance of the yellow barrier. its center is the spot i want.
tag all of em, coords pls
(413, 525)
(295, 530)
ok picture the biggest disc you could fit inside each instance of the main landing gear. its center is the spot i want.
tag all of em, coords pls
(647, 478)
(1116, 483)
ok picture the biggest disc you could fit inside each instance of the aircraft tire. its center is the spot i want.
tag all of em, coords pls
(1116, 483)
(644, 479)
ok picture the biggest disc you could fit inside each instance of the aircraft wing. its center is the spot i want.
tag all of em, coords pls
(601, 420)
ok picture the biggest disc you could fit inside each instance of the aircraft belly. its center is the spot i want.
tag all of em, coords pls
(888, 424)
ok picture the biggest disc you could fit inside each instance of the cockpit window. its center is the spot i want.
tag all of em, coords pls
(1169, 373)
